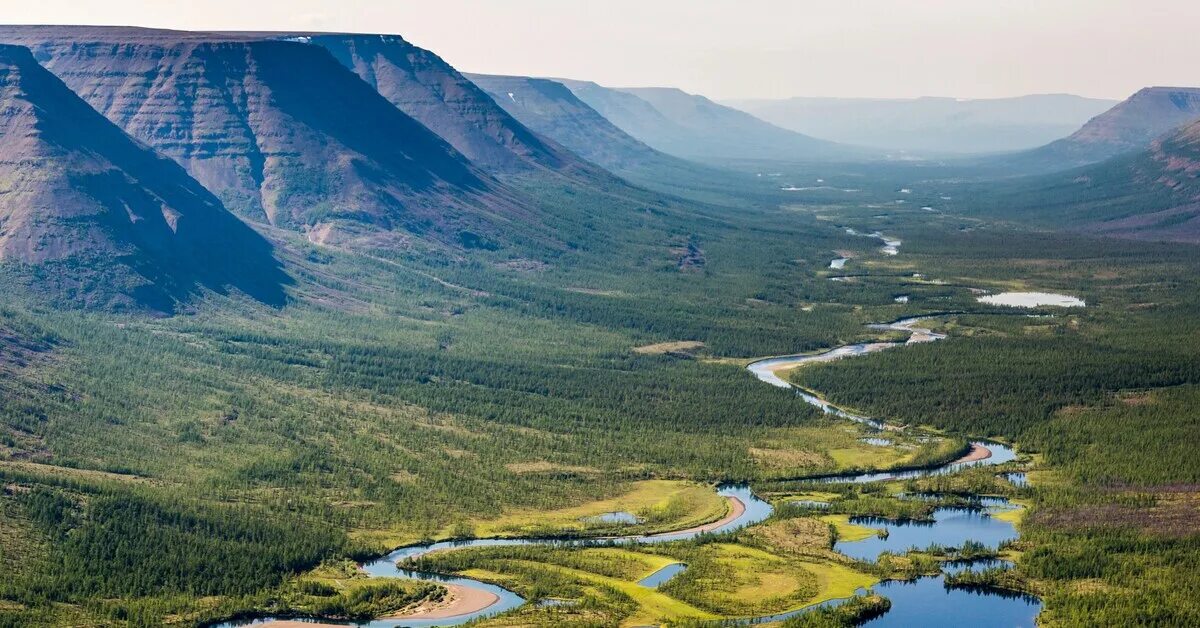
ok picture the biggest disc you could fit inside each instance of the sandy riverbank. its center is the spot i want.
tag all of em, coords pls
(978, 452)
(459, 600)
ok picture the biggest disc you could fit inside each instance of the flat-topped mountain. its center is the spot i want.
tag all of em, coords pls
(92, 217)
(280, 131)
(694, 127)
(1127, 127)
(933, 125)
(431, 91)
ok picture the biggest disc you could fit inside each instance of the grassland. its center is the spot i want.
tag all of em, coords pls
(660, 505)
(847, 531)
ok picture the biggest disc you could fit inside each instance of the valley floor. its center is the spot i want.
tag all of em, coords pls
(239, 460)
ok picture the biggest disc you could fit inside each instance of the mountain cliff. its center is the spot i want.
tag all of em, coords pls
(425, 87)
(92, 217)
(280, 131)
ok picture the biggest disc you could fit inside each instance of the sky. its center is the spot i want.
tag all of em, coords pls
(732, 49)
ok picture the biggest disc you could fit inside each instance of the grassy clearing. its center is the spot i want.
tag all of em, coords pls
(660, 504)
(679, 346)
(847, 531)
(864, 456)
(836, 581)
(1014, 515)
(737, 581)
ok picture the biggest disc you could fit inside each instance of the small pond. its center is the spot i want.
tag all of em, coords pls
(1032, 299)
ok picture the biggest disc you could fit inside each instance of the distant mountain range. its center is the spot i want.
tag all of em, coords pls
(130, 154)
(932, 125)
(94, 218)
(694, 127)
(1127, 127)
(551, 109)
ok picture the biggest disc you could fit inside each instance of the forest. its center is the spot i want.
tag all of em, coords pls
(217, 463)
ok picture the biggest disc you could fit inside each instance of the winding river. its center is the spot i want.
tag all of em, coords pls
(925, 601)
(746, 509)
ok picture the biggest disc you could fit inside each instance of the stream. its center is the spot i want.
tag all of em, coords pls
(925, 601)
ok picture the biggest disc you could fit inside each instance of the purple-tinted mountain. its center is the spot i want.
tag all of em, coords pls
(1128, 127)
(91, 217)
(425, 87)
(551, 109)
(694, 127)
(280, 131)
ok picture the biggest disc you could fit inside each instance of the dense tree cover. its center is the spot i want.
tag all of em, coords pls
(1107, 395)
(855, 611)
(133, 544)
(406, 394)
(400, 397)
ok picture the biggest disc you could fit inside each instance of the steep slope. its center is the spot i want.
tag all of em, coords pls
(425, 87)
(1153, 194)
(933, 125)
(549, 108)
(1127, 127)
(281, 131)
(89, 216)
(694, 127)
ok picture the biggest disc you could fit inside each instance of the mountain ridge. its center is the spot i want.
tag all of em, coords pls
(273, 143)
(1127, 127)
(932, 124)
(95, 218)
(694, 127)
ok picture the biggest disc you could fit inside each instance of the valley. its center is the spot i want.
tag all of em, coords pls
(309, 328)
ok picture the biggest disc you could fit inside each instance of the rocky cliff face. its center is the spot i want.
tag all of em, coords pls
(427, 88)
(92, 217)
(280, 131)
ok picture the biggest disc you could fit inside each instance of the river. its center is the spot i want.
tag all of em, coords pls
(925, 601)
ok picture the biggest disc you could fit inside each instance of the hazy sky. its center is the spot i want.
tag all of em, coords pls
(741, 48)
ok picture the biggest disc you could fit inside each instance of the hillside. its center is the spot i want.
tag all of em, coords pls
(930, 124)
(428, 89)
(90, 217)
(1127, 127)
(280, 131)
(695, 127)
(551, 109)
(1152, 194)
